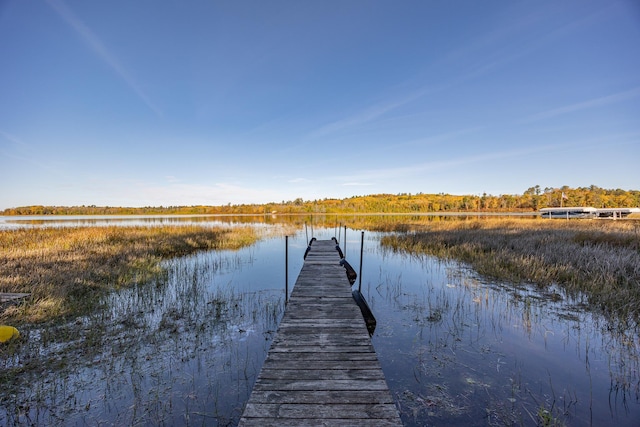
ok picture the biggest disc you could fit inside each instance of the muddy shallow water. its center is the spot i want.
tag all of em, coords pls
(455, 348)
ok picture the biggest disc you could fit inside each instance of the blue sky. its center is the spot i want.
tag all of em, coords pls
(149, 102)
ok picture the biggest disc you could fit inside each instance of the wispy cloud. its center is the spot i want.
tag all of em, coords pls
(435, 139)
(420, 169)
(518, 38)
(357, 184)
(481, 56)
(369, 114)
(584, 105)
(11, 138)
(100, 50)
(13, 146)
(132, 192)
(299, 181)
(21, 151)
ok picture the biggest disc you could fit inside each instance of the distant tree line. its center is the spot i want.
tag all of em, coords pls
(532, 199)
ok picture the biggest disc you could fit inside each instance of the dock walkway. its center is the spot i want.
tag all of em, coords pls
(321, 369)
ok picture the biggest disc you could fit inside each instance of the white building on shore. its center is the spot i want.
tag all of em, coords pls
(587, 212)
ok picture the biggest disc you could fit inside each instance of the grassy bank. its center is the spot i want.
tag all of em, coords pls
(66, 269)
(600, 258)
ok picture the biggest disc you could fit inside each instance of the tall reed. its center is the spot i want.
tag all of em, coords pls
(599, 258)
(65, 269)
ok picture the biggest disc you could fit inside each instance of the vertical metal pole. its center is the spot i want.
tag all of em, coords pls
(306, 232)
(286, 269)
(361, 251)
(345, 242)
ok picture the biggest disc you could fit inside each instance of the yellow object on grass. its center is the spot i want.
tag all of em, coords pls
(7, 333)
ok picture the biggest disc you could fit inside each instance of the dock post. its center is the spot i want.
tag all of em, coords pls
(345, 242)
(286, 269)
(361, 252)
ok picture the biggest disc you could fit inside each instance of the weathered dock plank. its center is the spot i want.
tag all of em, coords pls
(328, 397)
(322, 369)
(11, 296)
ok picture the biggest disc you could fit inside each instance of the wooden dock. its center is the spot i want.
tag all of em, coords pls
(10, 296)
(321, 369)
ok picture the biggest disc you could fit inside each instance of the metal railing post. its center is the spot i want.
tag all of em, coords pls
(361, 252)
(344, 246)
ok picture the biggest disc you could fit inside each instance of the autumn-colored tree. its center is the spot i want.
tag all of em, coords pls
(531, 200)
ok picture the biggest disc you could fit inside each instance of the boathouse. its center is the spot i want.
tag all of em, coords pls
(587, 212)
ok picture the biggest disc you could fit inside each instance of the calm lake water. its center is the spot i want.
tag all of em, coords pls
(456, 349)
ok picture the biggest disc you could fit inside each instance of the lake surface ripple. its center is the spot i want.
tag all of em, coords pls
(456, 348)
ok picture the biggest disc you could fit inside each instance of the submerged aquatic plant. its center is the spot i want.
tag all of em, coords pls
(599, 258)
(505, 353)
(181, 347)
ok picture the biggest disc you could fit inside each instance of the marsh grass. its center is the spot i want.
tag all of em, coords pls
(181, 349)
(598, 258)
(503, 353)
(66, 270)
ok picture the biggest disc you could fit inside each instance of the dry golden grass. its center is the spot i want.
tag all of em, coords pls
(66, 269)
(598, 257)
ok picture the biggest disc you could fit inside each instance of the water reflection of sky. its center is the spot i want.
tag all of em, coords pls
(455, 348)
(463, 350)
